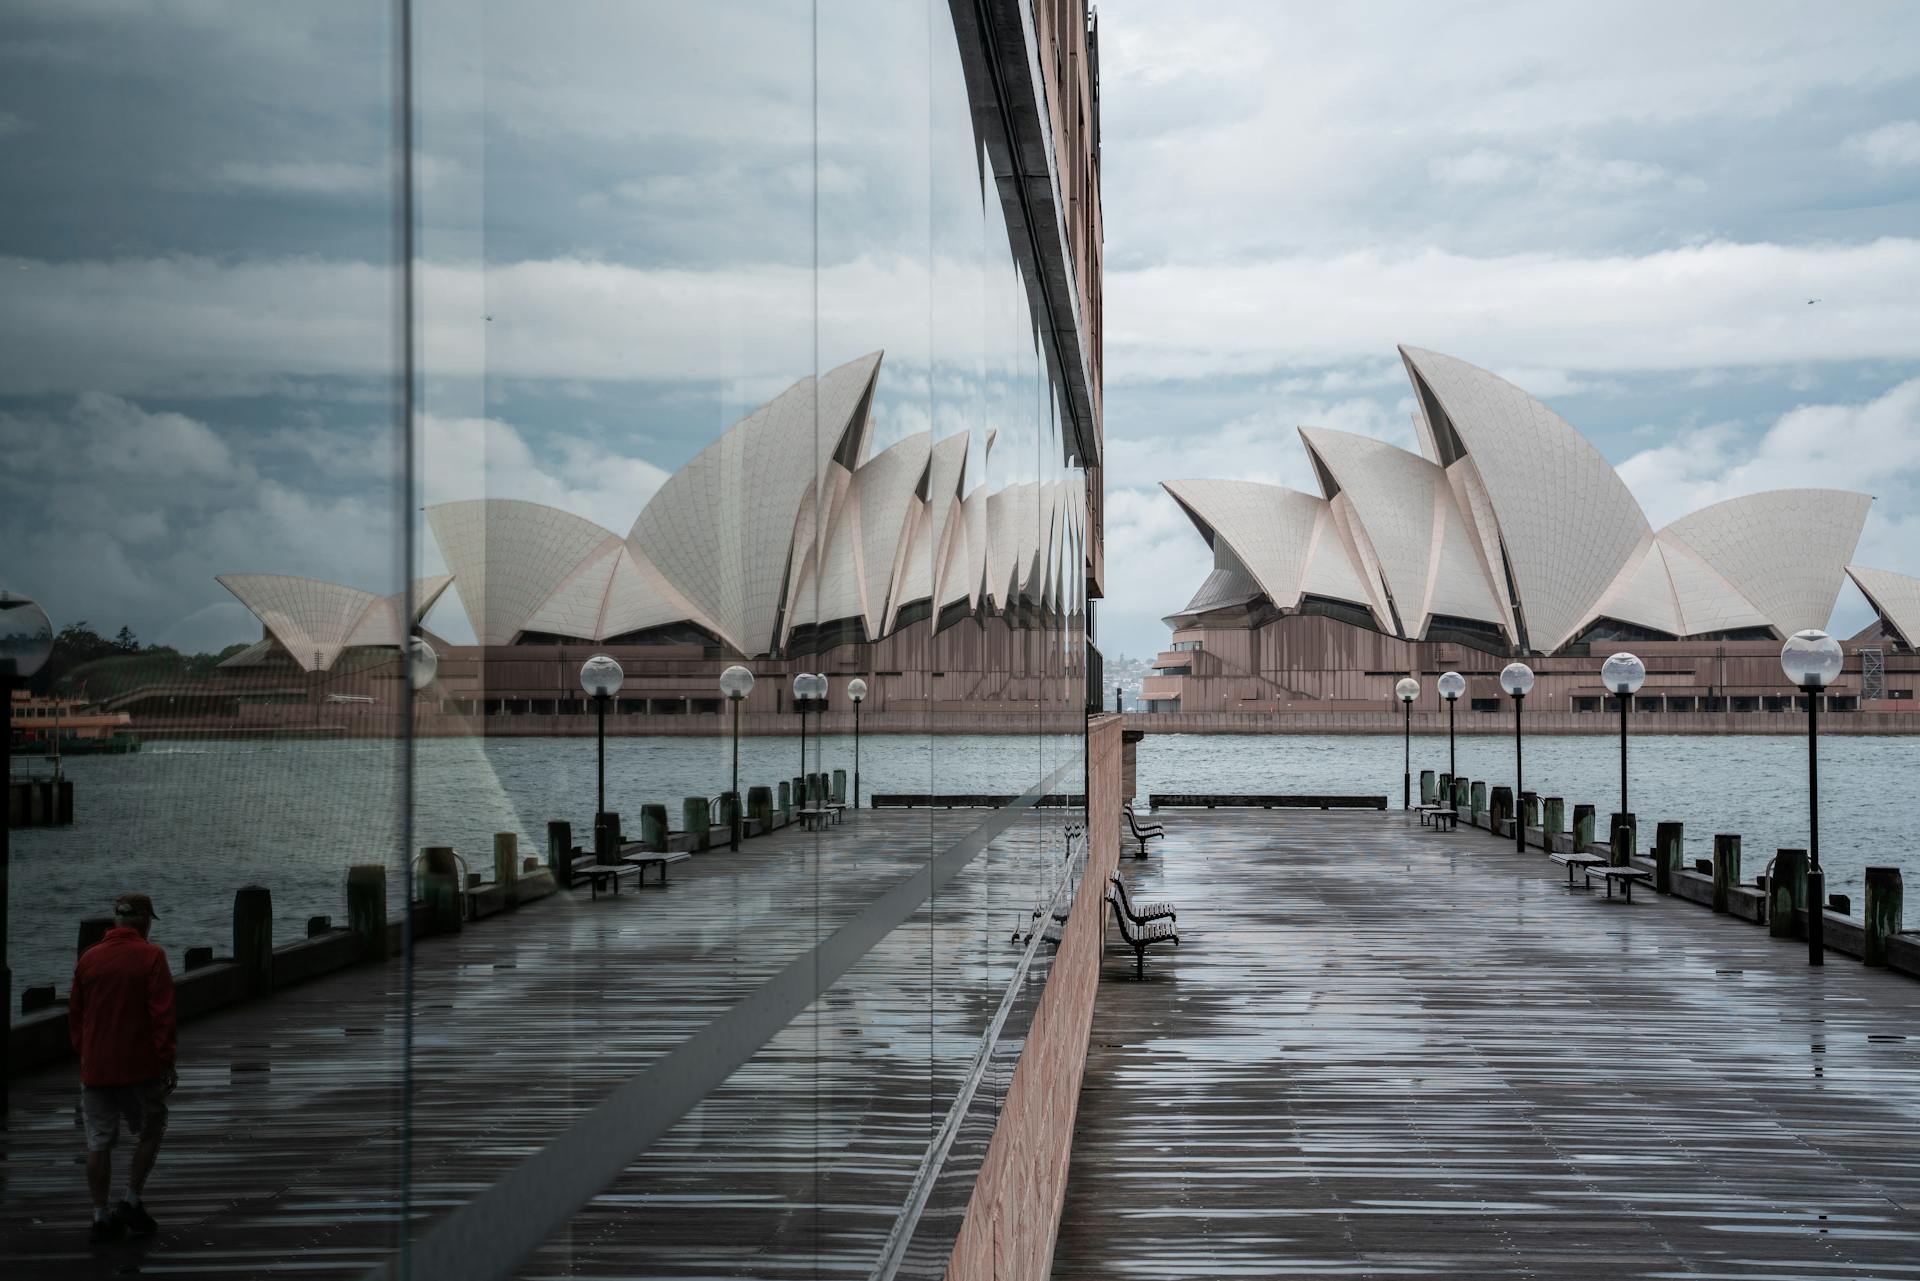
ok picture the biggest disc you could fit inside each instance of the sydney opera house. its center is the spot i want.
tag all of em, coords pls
(789, 542)
(1509, 534)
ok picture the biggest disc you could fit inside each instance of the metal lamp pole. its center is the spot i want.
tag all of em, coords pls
(600, 750)
(857, 693)
(1816, 879)
(1519, 776)
(1406, 757)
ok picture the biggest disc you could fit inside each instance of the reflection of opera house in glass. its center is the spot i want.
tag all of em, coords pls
(1509, 534)
(786, 541)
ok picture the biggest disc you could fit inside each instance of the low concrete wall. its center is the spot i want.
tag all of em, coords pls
(1387, 721)
(1014, 1214)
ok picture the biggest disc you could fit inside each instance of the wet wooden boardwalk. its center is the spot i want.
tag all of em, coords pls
(290, 1135)
(1387, 1052)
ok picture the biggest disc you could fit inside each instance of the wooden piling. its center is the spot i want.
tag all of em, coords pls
(1530, 808)
(760, 807)
(839, 787)
(1428, 789)
(1500, 810)
(1553, 819)
(1476, 799)
(730, 815)
(1882, 915)
(1620, 843)
(786, 801)
(92, 930)
(560, 852)
(1669, 854)
(1786, 892)
(694, 817)
(653, 828)
(1633, 828)
(1443, 791)
(506, 865)
(1462, 791)
(1726, 868)
(253, 938)
(367, 909)
(1582, 828)
(440, 888)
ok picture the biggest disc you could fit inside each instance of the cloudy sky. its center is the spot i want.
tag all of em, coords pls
(641, 219)
(1624, 208)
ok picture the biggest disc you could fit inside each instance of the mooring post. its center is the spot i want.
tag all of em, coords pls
(92, 930)
(1669, 854)
(839, 787)
(799, 794)
(1553, 820)
(1427, 789)
(1786, 892)
(1476, 799)
(1726, 868)
(560, 852)
(607, 838)
(1530, 809)
(760, 807)
(1620, 843)
(440, 888)
(1633, 828)
(1582, 828)
(1462, 791)
(694, 818)
(1882, 914)
(506, 865)
(786, 801)
(1499, 810)
(367, 909)
(653, 828)
(732, 816)
(253, 937)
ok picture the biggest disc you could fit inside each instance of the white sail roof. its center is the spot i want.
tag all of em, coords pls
(314, 620)
(1283, 538)
(1895, 597)
(1785, 550)
(508, 556)
(722, 527)
(1567, 522)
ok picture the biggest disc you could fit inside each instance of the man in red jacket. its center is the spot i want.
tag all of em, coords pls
(121, 1018)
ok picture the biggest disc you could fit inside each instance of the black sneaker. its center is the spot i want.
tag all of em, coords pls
(107, 1230)
(135, 1219)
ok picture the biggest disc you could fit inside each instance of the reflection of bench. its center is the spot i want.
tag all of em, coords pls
(1626, 876)
(607, 875)
(1140, 937)
(1577, 862)
(812, 818)
(1142, 832)
(1144, 912)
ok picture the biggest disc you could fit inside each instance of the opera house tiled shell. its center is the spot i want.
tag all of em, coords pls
(1509, 528)
(786, 530)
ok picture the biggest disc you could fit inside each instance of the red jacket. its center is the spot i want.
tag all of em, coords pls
(121, 1012)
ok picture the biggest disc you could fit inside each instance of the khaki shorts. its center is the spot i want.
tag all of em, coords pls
(142, 1105)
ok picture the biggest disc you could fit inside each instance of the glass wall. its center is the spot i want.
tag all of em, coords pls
(369, 371)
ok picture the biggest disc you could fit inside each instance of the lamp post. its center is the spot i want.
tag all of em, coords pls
(857, 692)
(1811, 659)
(1452, 685)
(1624, 674)
(1406, 690)
(736, 683)
(1517, 679)
(601, 678)
(26, 640)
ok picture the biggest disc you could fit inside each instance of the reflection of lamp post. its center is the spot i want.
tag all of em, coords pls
(736, 683)
(857, 692)
(1517, 679)
(422, 663)
(26, 639)
(1452, 686)
(601, 678)
(1811, 659)
(1623, 674)
(1407, 690)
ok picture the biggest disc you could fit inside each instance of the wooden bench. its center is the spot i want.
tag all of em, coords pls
(1626, 876)
(600, 875)
(811, 819)
(1441, 817)
(1575, 862)
(1144, 912)
(1142, 833)
(836, 809)
(1140, 937)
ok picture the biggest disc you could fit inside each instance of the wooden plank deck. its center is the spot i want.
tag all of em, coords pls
(1386, 1051)
(288, 1138)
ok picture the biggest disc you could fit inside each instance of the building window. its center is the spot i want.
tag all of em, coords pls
(1646, 704)
(1713, 703)
(1680, 703)
(1776, 703)
(1843, 702)
(1900, 694)
(1486, 704)
(1586, 704)
(1746, 703)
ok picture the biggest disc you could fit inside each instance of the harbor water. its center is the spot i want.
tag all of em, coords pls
(191, 822)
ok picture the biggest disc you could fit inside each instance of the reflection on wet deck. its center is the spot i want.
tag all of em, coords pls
(287, 1143)
(1383, 1051)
